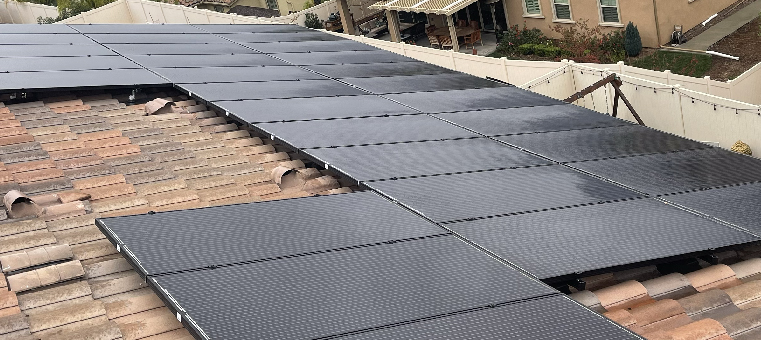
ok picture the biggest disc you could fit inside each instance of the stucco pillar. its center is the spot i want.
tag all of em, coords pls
(343, 10)
(480, 14)
(453, 34)
(392, 17)
(507, 19)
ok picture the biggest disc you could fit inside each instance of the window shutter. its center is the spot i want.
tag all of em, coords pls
(610, 14)
(532, 7)
(562, 9)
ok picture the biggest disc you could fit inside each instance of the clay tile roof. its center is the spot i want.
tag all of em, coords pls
(89, 156)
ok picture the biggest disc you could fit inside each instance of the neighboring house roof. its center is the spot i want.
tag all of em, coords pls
(254, 11)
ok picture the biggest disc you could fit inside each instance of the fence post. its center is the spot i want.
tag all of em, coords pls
(708, 86)
(451, 57)
(668, 76)
(678, 87)
(404, 49)
(503, 60)
(620, 67)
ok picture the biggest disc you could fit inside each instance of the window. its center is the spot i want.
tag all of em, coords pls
(532, 7)
(562, 9)
(609, 11)
(272, 4)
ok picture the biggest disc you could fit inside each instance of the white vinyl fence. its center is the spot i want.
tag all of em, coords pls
(13, 12)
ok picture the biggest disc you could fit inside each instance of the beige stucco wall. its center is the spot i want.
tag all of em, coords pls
(640, 12)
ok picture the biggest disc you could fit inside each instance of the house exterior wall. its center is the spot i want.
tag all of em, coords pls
(641, 12)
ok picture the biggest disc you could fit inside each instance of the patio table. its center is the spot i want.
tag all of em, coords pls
(460, 31)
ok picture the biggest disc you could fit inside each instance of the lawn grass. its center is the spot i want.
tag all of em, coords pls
(688, 64)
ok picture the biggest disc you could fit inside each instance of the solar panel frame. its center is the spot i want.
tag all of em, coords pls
(464, 196)
(73, 79)
(54, 51)
(310, 46)
(36, 64)
(270, 90)
(345, 57)
(376, 162)
(362, 131)
(379, 70)
(291, 109)
(473, 99)
(401, 281)
(36, 29)
(235, 74)
(135, 29)
(199, 61)
(418, 83)
(532, 119)
(250, 28)
(280, 37)
(221, 48)
(659, 174)
(199, 37)
(587, 144)
(44, 39)
(563, 242)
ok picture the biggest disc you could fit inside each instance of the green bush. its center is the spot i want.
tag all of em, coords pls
(514, 36)
(526, 49)
(547, 51)
(632, 41)
(312, 21)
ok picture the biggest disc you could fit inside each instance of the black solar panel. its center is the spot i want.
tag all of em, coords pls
(310, 46)
(198, 38)
(481, 194)
(374, 162)
(560, 242)
(36, 29)
(348, 57)
(559, 117)
(578, 145)
(332, 293)
(235, 74)
(180, 49)
(731, 204)
(418, 83)
(256, 28)
(279, 37)
(379, 70)
(681, 171)
(69, 79)
(53, 51)
(472, 99)
(45, 39)
(553, 317)
(274, 89)
(359, 131)
(136, 29)
(274, 110)
(182, 240)
(151, 61)
(65, 63)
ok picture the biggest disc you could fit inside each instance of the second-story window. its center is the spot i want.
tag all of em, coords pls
(609, 11)
(562, 9)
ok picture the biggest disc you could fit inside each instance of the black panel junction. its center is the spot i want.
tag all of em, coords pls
(418, 83)
(53, 51)
(65, 64)
(281, 37)
(72, 79)
(530, 119)
(542, 318)
(579, 145)
(180, 49)
(500, 192)
(199, 37)
(424, 158)
(235, 74)
(155, 61)
(310, 46)
(730, 204)
(288, 109)
(582, 239)
(350, 57)
(360, 131)
(258, 231)
(350, 290)
(680, 171)
(270, 90)
(472, 99)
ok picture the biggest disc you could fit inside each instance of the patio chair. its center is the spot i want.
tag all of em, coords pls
(473, 38)
(434, 41)
(446, 42)
(475, 25)
(430, 28)
(462, 23)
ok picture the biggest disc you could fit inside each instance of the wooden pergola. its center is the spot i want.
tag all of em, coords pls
(434, 7)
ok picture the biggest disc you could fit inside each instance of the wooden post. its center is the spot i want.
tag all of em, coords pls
(467, 14)
(392, 17)
(507, 19)
(346, 20)
(493, 16)
(480, 14)
(453, 34)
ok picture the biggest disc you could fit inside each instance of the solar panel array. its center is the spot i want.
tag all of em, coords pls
(478, 166)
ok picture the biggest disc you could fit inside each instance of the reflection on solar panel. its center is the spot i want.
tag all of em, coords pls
(310, 46)
(730, 204)
(417, 83)
(271, 90)
(187, 242)
(360, 131)
(472, 99)
(379, 70)
(235, 74)
(350, 57)
(582, 238)
(424, 158)
(501, 192)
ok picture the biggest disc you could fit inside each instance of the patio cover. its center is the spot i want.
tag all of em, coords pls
(445, 7)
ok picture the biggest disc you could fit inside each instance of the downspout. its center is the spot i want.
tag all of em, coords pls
(657, 23)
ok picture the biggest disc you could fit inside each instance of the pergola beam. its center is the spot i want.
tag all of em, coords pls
(453, 34)
(392, 17)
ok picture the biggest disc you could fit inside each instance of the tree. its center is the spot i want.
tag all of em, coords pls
(312, 21)
(632, 40)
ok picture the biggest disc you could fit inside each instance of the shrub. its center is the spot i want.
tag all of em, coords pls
(312, 21)
(526, 49)
(514, 36)
(633, 42)
(588, 44)
(547, 51)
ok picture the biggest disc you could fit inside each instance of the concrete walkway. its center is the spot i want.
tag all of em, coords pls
(704, 40)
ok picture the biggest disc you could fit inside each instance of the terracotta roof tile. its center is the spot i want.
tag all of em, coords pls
(225, 161)
(173, 197)
(82, 119)
(114, 121)
(623, 295)
(55, 321)
(151, 140)
(215, 194)
(245, 142)
(66, 210)
(152, 322)
(38, 175)
(161, 147)
(91, 128)
(110, 191)
(192, 137)
(31, 166)
(9, 123)
(711, 304)
(241, 169)
(46, 297)
(171, 124)
(263, 189)
(210, 182)
(127, 283)
(72, 195)
(65, 145)
(251, 178)
(92, 250)
(160, 187)
(72, 153)
(8, 186)
(706, 329)
(137, 127)
(746, 295)
(232, 135)
(99, 182)
(45, 276)
(132, 305)
(88, 172)
(71, 223)
(16, 139)
(18, 242)
(104, 330)
(37, 123)
(49, 130)
(63, 103)
(719, 276)
(748, 270)
(185, 164)
(107, 142)
(34, 257)
(197, 173)
(269, 157)
(327, 182)
(12, 131)
(20, 227)
(285, 195)
(214, 153)
(107, 267)
(151, 176)
(126, 160)
(80, 162)
(182, 206)
(25, 156)
(118, 203)
(6, 176)
(209, 121)
(71, 108)
(14, 325)
(47, 186)
(203, 145)
(136, 168)
(118, 151)
(219, 128)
